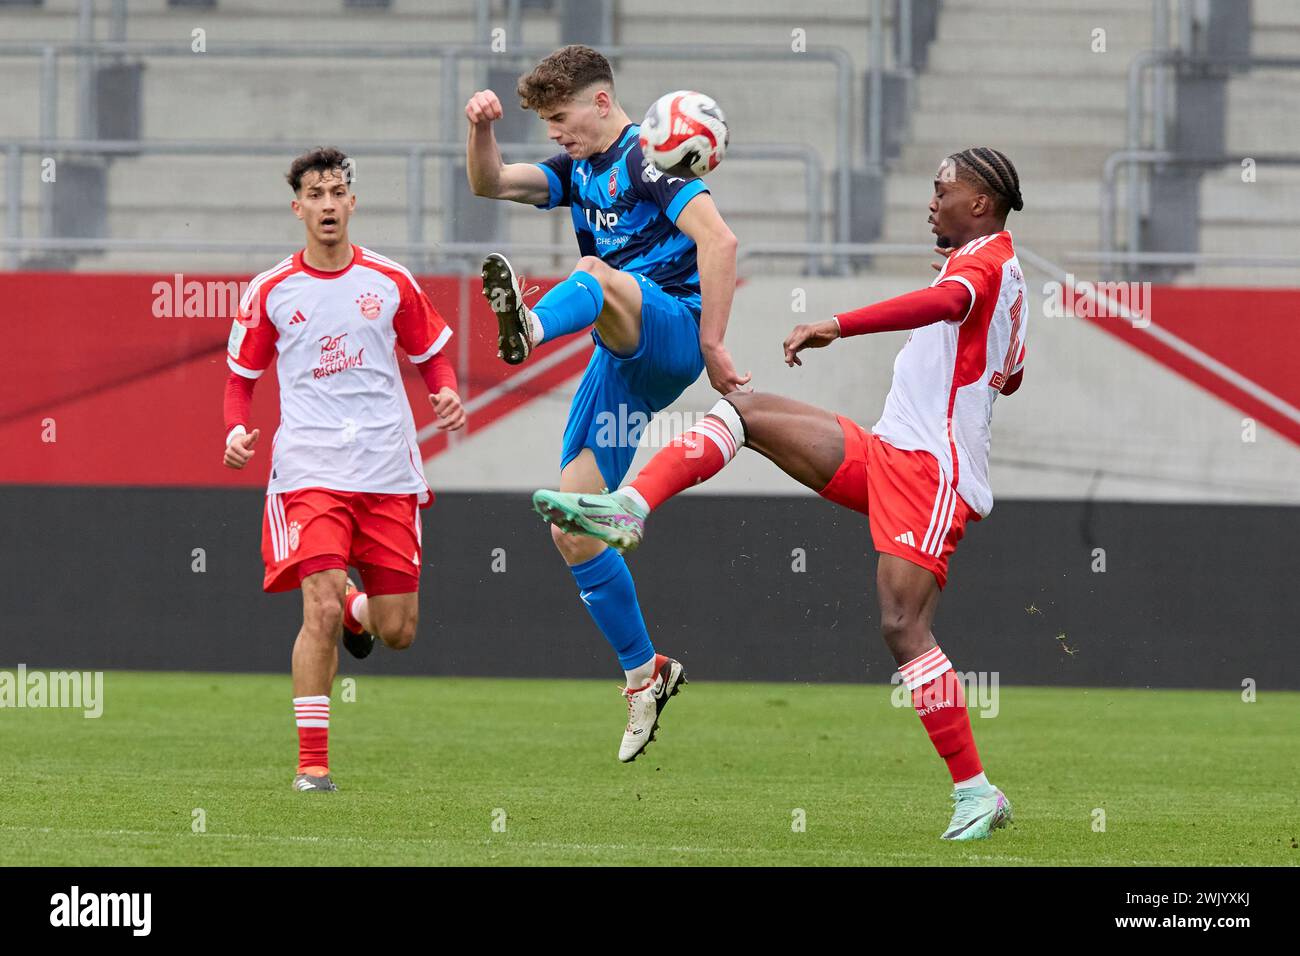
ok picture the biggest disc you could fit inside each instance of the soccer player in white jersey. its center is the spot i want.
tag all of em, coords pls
(919, 475)
(347, 481)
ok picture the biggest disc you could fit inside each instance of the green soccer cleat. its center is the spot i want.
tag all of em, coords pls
(608, 517)
(977, 812)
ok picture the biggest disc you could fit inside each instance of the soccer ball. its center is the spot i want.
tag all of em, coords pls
(684, 132)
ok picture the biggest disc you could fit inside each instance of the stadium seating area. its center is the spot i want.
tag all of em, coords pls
(1029, 83)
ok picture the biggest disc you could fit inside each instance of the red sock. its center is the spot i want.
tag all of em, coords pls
(313, 714)
(940, 703)
(696, 455)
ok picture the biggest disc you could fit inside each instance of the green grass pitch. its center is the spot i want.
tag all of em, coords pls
(425, 765)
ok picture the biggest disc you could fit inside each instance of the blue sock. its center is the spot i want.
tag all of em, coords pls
(570, 306)
(605, 586)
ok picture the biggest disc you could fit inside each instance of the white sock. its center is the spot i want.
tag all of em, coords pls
(359, 610)
(535, 329)
(641, 676)
(979, 780)
(634, 496)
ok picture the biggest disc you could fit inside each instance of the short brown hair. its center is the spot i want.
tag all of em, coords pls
(561, 75)
(322, 159)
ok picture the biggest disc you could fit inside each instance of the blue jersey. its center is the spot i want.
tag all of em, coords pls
(626, 213)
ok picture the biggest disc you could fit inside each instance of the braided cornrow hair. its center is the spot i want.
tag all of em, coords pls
(992, 168)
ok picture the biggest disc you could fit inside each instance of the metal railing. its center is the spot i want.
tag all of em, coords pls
(1137, 68)
(450, 56)
(1131, 159)
(416, 153)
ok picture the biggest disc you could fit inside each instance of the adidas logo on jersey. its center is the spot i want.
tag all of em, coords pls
(297, 317)
(906, 538)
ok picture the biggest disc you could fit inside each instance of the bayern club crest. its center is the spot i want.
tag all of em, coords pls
(370, 305)
(295, 531)
(613, 182)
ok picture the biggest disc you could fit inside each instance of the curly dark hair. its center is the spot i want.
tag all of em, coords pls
(985, 167)
(564, 73)
(322, 159)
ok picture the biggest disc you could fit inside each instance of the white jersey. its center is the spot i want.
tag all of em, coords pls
(345, 422)
(948, 374)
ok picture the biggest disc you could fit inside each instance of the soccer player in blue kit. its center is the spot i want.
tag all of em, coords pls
(656, 280)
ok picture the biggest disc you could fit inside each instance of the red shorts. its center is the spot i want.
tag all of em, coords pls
(915, 512)
(316, 529)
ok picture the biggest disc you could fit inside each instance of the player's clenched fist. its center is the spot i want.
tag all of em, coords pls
(448, 409)
(483, 107)
(240, 448)
(815, 336)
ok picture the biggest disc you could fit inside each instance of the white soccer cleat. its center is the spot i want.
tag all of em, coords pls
(646, 704)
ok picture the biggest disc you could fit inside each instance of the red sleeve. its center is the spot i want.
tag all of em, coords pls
(238, 402)
(251, 346)
(438, 374)
(1013, 382)
(976, 267)
(420, 329)
(911, 311)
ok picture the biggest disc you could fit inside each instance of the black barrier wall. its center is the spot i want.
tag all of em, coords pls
(1191, 595)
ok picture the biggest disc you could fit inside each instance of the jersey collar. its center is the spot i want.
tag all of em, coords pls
(300, 260)
(597, 160)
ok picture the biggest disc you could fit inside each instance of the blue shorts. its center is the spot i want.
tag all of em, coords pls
(617, 396)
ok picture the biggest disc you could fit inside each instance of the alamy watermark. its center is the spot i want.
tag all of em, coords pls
(75, 690)
(633, 428)
(1130, 301)
(980, 689)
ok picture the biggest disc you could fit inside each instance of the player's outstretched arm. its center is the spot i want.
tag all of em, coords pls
(946, 302)
(715, 255)
(488, 175)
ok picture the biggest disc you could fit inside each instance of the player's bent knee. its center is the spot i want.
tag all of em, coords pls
(400, 637)
(592, 264)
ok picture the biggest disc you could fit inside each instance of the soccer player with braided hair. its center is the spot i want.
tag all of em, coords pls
(920, 473)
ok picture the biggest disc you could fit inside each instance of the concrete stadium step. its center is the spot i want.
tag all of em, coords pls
(903, 191)
(1034, 58)
(28, 24)
(250, 182)
(1261, 112)
(1271, 13)
(1251, 239)
(973, 123)
(20, 111)
(189, 100)
(1278, 41)
(1273, 198)
(766, 106)
(1015, 90)
(1063, 26)
(1230, 276)
(1035, 162)
(278, 26)
(263, 225)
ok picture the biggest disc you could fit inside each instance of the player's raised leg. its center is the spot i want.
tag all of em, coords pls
(315, 663)
(804, 441)
(594, 294)
(909, 594)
